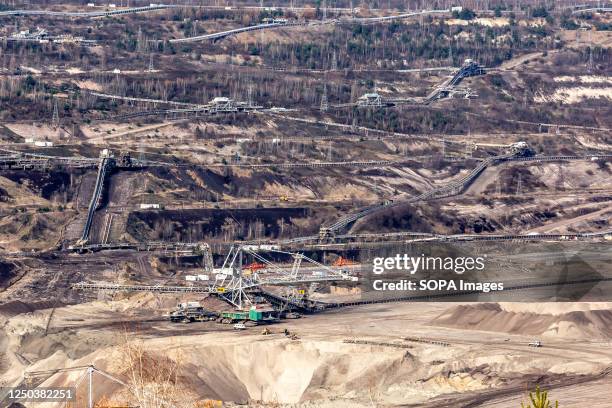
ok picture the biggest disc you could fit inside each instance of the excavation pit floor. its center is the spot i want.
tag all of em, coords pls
(391, 354)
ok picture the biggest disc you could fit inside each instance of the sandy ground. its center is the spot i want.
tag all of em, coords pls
(318, 369)
(576, 39)
(37, 132)
(518, 61)
(587, 79)
(483, 21)
(574, 95)
(560, 189)
(130, 131)
(603, 213)
(597, 393)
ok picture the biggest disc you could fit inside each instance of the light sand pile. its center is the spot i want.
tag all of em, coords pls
(567, 320)
(574, 95)
(316, 370)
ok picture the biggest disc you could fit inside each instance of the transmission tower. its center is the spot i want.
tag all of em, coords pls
(590, 65)
(560, 183)
(519, 185)
(250, 95)
(151, 62)
(139, 40)
(55, 121)
(334, 62)
(443, 147)
(324, 9)
(141, 151)
(498, 187)
(324, 103)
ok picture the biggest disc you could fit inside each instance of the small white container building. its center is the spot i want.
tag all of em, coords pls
(150, 206)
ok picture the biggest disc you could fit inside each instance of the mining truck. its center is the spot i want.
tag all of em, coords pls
(191, 312)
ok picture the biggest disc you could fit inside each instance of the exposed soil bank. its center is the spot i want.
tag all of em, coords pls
(592, 324)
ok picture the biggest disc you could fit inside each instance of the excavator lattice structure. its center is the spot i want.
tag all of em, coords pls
(234, 285)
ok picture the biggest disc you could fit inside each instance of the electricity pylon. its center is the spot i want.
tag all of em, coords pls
(324, 102)
(55, 120)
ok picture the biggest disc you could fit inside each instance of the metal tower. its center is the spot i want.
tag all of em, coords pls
(560, 183)
(55, 120)
(139, 40)
(324, 102)
(519, 185)
(590, 64)
(250, 95)
(151, 63)
(334, 62)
